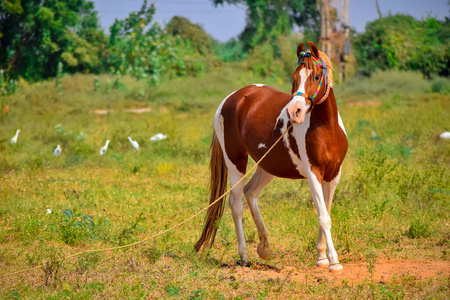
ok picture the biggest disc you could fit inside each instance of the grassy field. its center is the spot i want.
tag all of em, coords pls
(393, 201)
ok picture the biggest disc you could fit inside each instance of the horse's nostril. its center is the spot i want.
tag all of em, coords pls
(297, 112)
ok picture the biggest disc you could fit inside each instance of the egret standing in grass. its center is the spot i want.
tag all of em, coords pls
(158, 137)
(14, 139)
(104, 148)
(134, 144)
(57, 151)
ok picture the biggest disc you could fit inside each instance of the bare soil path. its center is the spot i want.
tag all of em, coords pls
(385, 270)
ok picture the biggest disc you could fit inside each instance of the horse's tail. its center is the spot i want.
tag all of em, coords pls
(218, 185)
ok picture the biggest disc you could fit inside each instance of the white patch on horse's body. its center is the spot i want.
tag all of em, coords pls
(220, 133)
(297, 161)
(235, 199)
(299, 129)
(261, 145)
(218, 118)
(341, 124)
(259, 84)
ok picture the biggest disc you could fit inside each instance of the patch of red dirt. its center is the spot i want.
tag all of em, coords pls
(354, 273)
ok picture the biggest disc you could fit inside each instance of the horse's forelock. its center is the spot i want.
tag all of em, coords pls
(309, 64)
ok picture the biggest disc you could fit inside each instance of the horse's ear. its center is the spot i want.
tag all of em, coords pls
(313, 49)
(300, 48)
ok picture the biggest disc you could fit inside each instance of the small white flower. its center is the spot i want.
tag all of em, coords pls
(49, 211)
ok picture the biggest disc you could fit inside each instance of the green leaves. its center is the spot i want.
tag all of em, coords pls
(36, 34)
(143, 50)
(404, 43)
(267, 20)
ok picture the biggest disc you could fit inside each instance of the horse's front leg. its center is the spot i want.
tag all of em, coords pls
(328, 189)
(324, 220)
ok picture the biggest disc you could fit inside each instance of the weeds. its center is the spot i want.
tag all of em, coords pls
(87, 261)
(418, 229)
(127, 233)
(152, 254)
(51, 263)
(371, 259)
(75, 227)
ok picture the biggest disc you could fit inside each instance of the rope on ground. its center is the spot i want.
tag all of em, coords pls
(166, 230)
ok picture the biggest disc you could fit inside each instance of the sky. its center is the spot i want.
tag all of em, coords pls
(225, 22)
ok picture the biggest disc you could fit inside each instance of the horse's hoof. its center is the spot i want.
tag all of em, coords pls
(242, 263)
(264, 253)
(323, 263)
(336, 269)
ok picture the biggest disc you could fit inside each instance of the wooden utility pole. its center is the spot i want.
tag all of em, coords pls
(334, 33)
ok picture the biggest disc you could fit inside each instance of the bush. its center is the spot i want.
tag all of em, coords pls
(404, 43)
(418, 229)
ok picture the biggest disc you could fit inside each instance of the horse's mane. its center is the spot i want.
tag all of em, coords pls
(329, 66)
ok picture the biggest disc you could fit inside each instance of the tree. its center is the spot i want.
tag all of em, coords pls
(194, 33)
(402, 42)
(266, 19)
(36, 34)
(141, 49)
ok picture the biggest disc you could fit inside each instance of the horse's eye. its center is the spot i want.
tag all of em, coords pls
(317, 77)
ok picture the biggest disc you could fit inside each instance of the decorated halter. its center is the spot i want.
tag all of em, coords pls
(320, 64)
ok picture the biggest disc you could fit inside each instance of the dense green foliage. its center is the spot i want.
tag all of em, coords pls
(141, 49)
(404, 43)
(267, 20)
(36, 35)
(194, 34)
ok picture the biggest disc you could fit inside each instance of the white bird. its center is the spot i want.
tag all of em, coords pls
(57, 151)
(158, 137)
(104, 148)
(134, 144)
(445, 135)
(14, 139)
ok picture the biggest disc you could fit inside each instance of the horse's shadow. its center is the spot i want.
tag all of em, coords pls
(251, 265)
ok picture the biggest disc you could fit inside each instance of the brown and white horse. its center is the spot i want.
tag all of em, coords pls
(249, 121)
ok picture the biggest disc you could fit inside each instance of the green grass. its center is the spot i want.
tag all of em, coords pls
(393, 199)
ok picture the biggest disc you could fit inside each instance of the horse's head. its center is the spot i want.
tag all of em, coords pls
(309, 82)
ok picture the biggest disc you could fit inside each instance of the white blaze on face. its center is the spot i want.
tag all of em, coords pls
(297, 106)
(304, 74)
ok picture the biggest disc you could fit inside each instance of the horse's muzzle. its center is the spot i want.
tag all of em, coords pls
(296, 112)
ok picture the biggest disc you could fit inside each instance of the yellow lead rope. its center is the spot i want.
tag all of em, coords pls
(164, 231)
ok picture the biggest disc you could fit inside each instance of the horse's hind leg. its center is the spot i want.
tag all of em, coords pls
(328, 189)
(252, 190)
(236, 206)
